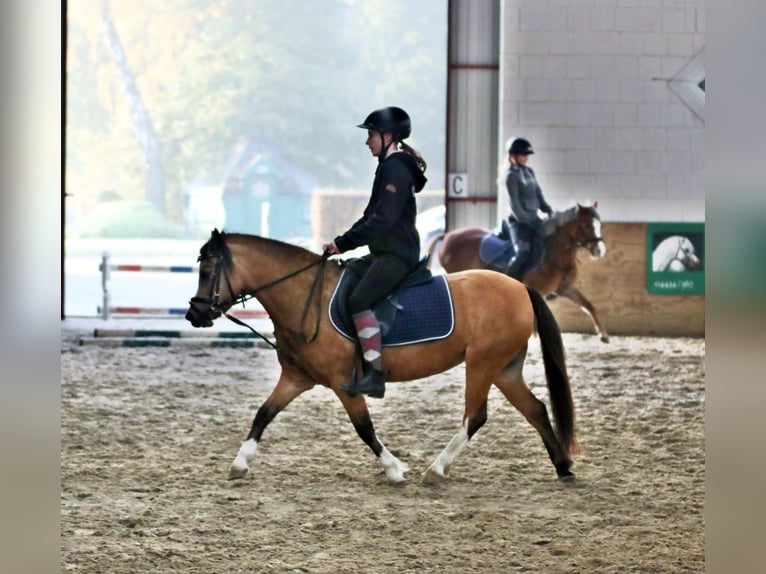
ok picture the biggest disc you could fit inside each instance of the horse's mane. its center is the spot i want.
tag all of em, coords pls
(561, 218)
(571, 213)
(592, 211)
(566, 216)
(218, 245)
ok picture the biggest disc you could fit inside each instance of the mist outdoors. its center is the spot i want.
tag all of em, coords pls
(184, 115)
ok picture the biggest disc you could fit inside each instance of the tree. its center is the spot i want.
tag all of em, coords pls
(298, 74)
(150, 147)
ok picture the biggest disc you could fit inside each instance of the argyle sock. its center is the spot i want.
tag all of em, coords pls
(368, 330)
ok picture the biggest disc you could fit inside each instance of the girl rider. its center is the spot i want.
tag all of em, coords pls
(387, 227)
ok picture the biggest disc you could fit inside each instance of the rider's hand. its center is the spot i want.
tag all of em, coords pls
(330, 248)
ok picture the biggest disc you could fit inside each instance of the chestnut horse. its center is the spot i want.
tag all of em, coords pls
(494, 316)
(564, 232)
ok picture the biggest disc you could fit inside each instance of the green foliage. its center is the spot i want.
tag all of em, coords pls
(108, 195)
(126, 219)
(298, 75)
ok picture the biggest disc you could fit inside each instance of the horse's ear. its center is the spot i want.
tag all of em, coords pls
(595, 203)
(216, 234)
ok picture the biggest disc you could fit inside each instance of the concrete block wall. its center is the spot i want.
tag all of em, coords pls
(603, 89)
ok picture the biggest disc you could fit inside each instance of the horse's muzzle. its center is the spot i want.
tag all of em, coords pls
(597, 249)
(196, 319)
(200, 318)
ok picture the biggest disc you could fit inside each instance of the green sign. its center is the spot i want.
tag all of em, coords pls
(675, 258)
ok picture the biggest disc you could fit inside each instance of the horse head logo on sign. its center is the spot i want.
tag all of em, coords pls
(675, 253)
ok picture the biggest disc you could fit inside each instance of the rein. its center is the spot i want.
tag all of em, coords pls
(215, 304)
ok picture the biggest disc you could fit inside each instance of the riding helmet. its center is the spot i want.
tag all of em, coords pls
(520, 146)
(391, 119)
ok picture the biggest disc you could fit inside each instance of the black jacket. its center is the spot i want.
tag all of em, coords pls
(388, 222)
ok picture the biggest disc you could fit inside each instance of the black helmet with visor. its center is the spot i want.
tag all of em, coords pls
(520, 146)
(391, 119)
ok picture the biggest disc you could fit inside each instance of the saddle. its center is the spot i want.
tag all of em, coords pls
(496, 249)
(504, 232)
(419, 310)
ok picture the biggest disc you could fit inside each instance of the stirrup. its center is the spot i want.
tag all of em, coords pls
(350, 387)
(373, 384)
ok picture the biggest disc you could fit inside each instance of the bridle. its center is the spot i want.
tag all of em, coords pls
(213, 300)
(580, 240)
(586, 241)
(214, 304)
(680, 254)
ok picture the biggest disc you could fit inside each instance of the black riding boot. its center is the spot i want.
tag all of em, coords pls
(522, 248)
(515, 266)
(373, 383)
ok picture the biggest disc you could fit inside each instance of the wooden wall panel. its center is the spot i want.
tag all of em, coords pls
(616, 285)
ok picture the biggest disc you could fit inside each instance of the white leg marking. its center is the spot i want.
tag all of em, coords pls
(246, 454)
(440, 467)
(394, 467)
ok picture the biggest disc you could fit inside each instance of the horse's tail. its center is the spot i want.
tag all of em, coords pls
(432, 246)
(555, 372)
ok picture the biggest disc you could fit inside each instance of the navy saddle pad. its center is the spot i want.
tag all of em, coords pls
(414, 314)
(495, 251)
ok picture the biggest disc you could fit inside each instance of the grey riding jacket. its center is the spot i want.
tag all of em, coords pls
(525, 195)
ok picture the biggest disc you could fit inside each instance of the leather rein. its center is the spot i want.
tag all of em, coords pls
(215, 304)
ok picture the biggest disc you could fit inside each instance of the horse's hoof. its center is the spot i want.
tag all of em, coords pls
(432, 477)
(236, 472)
(604, 339)
(567, 477)
(563, 472)
(396, 477)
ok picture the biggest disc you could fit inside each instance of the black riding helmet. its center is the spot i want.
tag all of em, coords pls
(391, 119)
(520, 146)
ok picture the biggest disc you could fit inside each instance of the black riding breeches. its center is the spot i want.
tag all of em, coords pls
(383, 276)
(522, 236)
